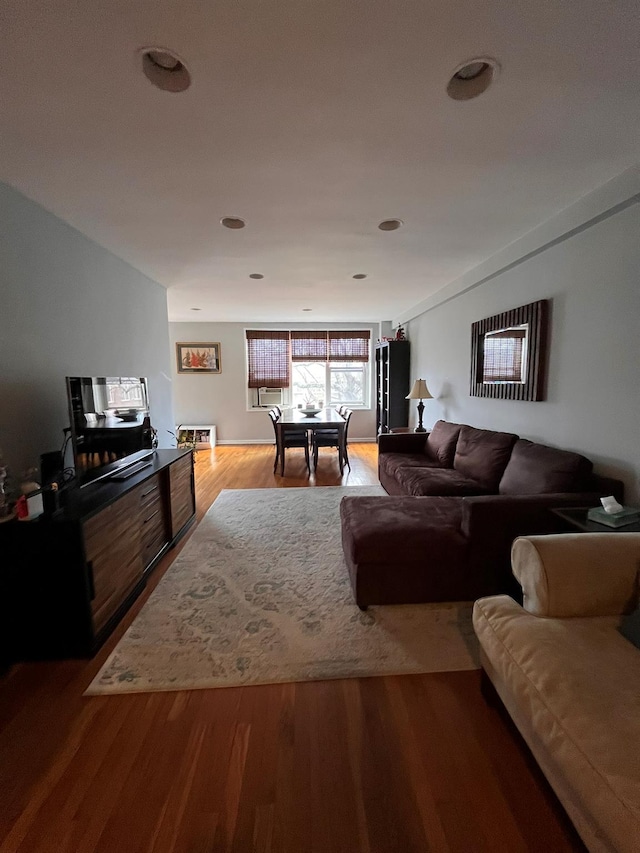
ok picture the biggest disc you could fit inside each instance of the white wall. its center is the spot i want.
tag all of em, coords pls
(221, 399)
(69, 307)
(593, 401)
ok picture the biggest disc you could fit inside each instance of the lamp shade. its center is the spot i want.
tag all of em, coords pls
(419, 391)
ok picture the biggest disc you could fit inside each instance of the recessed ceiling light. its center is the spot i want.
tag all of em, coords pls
(390, 224)
(164, 69)
(196, 309)
(472, 78)
(232, 222)
(359, 275)
(255, 275)
(307, 309)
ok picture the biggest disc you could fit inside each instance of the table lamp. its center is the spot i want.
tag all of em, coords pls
(419, 392)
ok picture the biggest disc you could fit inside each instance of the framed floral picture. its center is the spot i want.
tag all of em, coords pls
(198, 358)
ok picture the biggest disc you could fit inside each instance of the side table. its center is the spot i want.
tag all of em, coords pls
(575, 518)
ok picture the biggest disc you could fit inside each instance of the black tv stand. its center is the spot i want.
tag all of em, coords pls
(70, 576)
(128, 470)
(111, 471)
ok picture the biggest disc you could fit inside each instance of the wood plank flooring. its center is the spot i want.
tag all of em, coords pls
(401, 764)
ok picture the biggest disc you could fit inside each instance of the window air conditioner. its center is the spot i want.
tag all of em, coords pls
(269, 397)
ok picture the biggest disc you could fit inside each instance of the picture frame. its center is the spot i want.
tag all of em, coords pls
(198, 357)
(534, 319)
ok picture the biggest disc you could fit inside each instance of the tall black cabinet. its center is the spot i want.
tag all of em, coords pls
(393, 383)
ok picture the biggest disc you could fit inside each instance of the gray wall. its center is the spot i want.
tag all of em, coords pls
(593, 403)
(69, 307)
(221, 399)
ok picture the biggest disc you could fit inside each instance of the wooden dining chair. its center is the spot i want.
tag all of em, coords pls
(347, 416)
(286, 436)
(332, 438)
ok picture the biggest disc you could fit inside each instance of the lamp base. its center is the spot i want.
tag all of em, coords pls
(420, 428)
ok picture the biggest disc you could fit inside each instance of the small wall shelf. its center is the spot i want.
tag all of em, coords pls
(204, 435)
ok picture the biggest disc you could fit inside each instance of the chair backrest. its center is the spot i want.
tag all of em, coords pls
(275, 417)
(347, 416)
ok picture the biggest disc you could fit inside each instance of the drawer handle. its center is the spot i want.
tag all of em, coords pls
(150, 492)
(153, 514)
(92, 585)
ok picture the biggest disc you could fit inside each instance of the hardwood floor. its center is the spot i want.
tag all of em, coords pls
(372, 765)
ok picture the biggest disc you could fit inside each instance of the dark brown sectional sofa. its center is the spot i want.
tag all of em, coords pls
(457, 498)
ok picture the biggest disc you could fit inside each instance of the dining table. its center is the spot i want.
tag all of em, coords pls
(326, 418)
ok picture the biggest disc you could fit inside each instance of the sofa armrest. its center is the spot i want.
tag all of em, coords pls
(578, 574)
(402, 442)
(492, 522)
(607, 486)
(482, 514)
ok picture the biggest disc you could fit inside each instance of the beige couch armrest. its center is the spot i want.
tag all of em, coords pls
(578, 574)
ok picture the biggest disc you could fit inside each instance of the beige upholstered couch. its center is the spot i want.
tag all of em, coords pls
(569, 679)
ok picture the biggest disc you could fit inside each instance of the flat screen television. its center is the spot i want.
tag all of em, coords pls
(109, 424)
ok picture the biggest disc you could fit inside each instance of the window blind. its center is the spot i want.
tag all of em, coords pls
(268, 359)
(349, 346)
(309, 346)
(269, 353)
(503, 356)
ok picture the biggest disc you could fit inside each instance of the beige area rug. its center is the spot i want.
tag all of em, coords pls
(260, 594)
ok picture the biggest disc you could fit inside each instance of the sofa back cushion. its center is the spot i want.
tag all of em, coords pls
(536, 469)
(441, 442)
(482, 454)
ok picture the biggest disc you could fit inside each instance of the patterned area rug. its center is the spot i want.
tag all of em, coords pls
(260, 594)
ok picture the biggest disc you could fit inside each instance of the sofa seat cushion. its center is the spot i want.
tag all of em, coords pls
(390, 462)
(423, 481)
(536, 469)
(482, 455)
(394, 528)
(399, 550)
(576, 684)
(441, 442)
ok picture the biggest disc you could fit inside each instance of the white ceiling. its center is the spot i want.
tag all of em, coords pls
(314, 121)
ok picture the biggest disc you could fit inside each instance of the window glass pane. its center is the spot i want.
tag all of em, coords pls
(308, 383)
(347, 383)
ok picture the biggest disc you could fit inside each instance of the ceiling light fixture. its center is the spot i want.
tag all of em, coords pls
(472, 78)
(196, 309)
(164, 69)
(359, 275)
(232, 222)
(307, 309)
(390, 224)
(255, 275)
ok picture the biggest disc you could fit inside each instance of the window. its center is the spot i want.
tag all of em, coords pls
(504, 355)
(323, 367)
(124, 392)
(348, 383)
